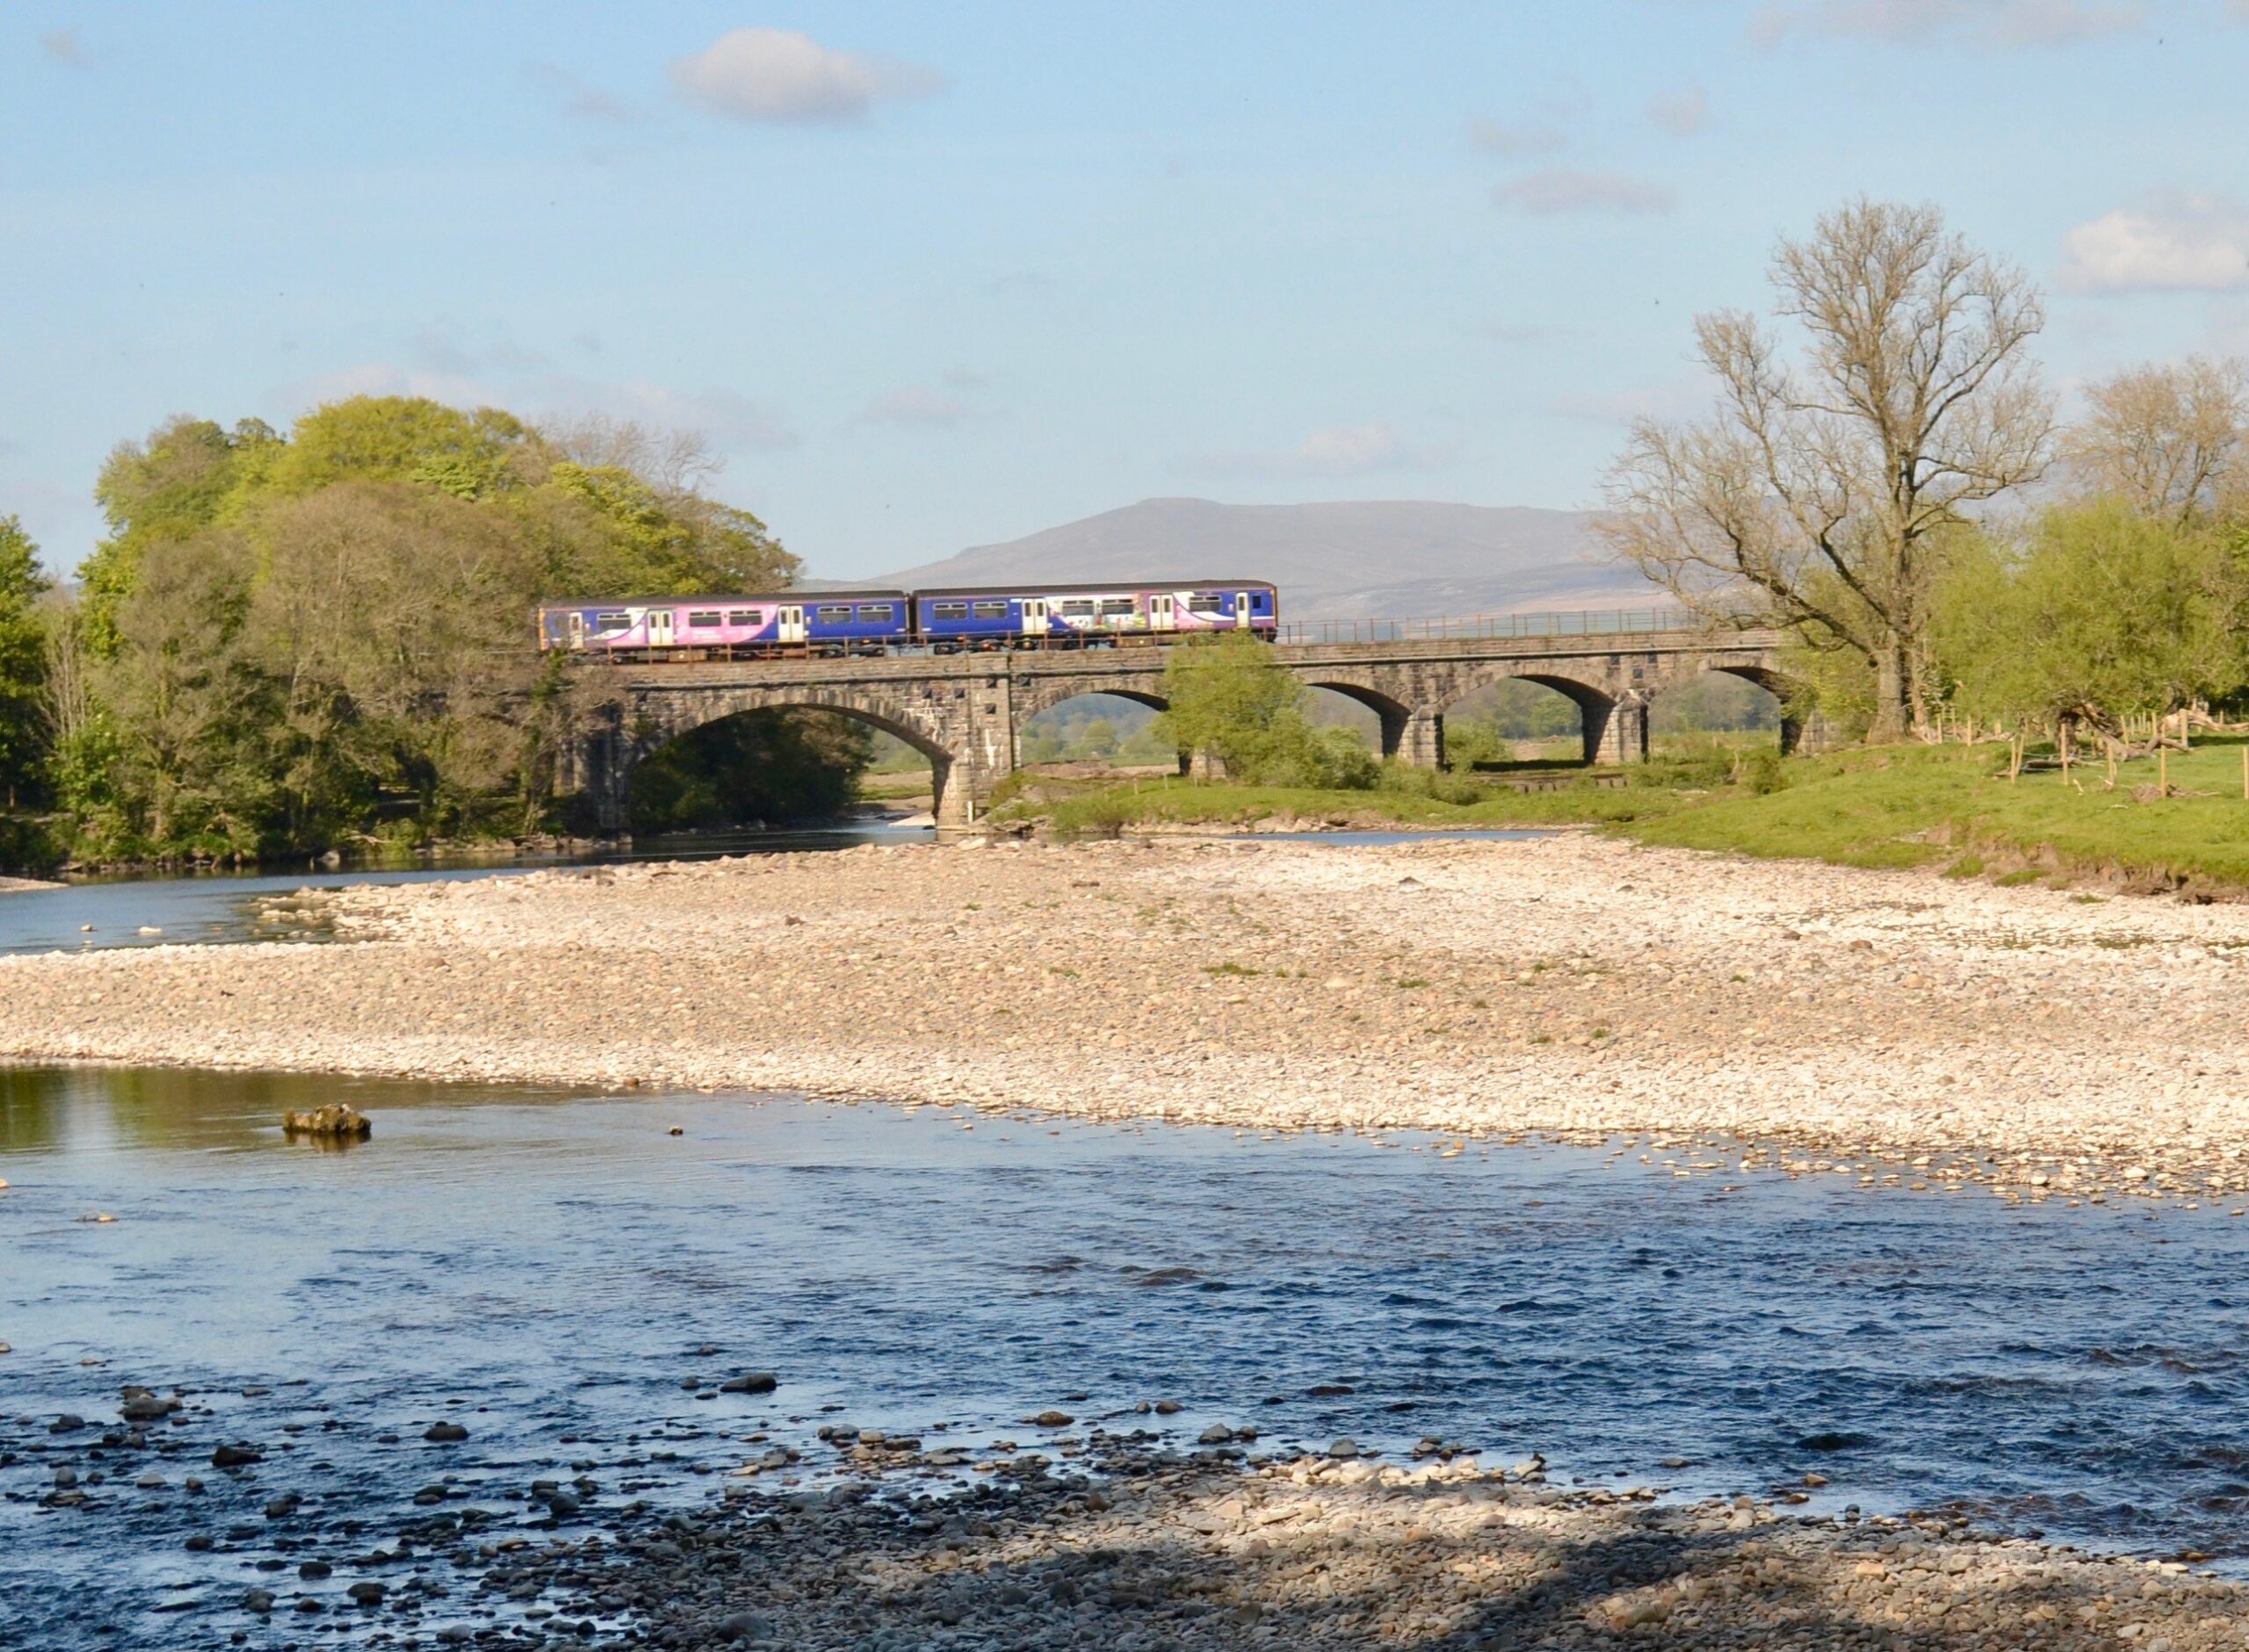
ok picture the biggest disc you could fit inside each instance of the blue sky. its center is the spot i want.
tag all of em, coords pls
(932, 276)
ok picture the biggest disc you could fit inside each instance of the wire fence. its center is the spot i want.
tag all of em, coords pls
(1584, 622)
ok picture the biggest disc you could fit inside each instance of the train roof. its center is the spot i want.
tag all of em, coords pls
(721, 600)
(1060, 586)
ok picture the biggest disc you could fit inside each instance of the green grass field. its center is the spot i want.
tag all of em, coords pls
(1905, 806)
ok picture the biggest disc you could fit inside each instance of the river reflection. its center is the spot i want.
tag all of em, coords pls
(550, 1267)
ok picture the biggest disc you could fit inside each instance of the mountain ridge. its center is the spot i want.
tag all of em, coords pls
(1333, 560)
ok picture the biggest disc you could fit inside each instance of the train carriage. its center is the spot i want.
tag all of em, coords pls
(1046, 616)
(730, 627)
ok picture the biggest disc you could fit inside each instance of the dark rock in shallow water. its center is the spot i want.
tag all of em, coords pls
(445, 1432)
(750, 1382)
(337, 1120)
(236, 1456)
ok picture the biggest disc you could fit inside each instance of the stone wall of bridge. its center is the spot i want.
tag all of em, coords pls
(966, 712)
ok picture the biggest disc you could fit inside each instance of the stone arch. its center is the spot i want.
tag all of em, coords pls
(1613, 725)
(1034, 703)
(659, 720)
(1396, 716)
(1776, 683)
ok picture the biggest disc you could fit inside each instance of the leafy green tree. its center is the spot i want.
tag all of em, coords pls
(296, 641)
(1228, 697)
(189, 475)
(759, 767)
(2100, 614)
(24, 736)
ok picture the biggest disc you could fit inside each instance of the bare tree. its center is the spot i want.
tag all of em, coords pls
(65, 699)
(671, 461)
(1817, 493)
(2170, 439)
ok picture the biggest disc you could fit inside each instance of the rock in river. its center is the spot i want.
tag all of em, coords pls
(750, 1382)
(338, 1120)
(446, 1433)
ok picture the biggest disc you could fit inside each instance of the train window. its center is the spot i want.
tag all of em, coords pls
(741, 616)
(951, 611)
(605, 624)
(991, 610)
(702, 617)
(834, 613)
(1113, 606)
(875, 610)
(1077, 608)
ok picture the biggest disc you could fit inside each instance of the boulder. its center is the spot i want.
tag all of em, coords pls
(338, 1121)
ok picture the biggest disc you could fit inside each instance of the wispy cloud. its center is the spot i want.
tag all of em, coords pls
(2179, 239)
(1682, 113)
(1676, 398)
(1336, 450)
(734, 423)
(1998, 23)
(1501, 138)
(64, 46)
(579, 100)
(779, 75)
(1568, 189)
(916, 406)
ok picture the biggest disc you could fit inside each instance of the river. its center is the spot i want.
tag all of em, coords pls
(550, 1270)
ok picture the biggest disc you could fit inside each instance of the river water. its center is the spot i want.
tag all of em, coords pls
(548, 1269)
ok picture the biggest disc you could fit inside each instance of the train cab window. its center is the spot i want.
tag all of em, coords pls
(1262, 601)
(1077, 608)
(1114, 607)
(702, 616)
(991, 610)
(741, 616)
(608, 625)
(953, 610)
(834, 613)
(875, 612)
(1206, 603)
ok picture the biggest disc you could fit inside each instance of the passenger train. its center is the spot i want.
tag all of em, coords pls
(785, 624)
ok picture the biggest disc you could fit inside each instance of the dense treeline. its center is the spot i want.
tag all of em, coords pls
(321, 639)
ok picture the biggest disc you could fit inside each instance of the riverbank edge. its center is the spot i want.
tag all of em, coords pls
(1222, 1548)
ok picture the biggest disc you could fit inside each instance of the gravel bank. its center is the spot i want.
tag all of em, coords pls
(1155, 1551)
(1889, 1025)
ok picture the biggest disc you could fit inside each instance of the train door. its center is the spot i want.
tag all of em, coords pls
(1159, 611)
(1242, 610)
(577, 631)
(1034, 616)
(790, 623)
(660, 628)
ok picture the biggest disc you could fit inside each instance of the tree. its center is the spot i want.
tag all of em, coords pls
(2100, 615)
(24, 735)
(1819, 496)
(1228, 697)
(2170, 439)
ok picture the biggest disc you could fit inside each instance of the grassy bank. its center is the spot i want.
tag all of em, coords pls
(1912, 805)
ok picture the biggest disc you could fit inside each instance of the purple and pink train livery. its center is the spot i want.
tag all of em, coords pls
(952, 621)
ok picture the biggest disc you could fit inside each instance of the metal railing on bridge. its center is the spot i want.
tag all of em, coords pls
(1584, 622)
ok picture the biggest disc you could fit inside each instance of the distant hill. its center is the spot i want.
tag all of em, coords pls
(1401, 559)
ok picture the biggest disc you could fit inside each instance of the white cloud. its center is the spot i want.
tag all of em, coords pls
(2176, 239)
(915, 405)
(1682, 113)
(1568, 189)
(1501, 138)
(64, 46)
(780, 75)
(2003, 23)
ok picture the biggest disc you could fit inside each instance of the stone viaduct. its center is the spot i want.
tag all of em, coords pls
(966, 712)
